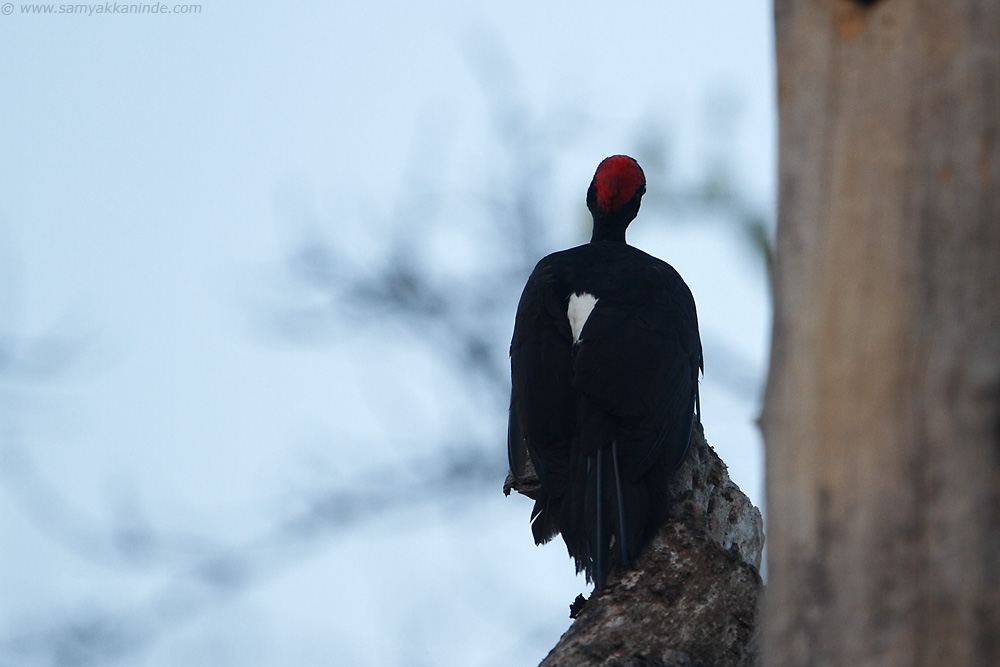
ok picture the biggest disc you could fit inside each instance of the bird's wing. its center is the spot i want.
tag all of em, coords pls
(542, 406)
(638, 362)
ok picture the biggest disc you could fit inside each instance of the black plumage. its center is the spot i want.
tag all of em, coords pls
(607, 417)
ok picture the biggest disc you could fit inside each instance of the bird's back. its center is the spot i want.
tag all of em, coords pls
(604, 362)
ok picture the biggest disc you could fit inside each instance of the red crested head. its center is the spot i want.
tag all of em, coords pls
(618, 179)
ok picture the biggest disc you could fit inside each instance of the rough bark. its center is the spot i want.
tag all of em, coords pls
(882, 413)
(692, 597)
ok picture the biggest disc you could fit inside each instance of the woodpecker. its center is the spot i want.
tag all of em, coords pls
(605, 359)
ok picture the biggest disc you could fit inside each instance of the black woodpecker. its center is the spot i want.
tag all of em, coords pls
(604, 372)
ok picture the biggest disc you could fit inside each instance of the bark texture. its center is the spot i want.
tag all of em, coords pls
(692, 598)
(882, 413)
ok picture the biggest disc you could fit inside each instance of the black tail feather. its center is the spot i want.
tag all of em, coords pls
(622, 539)
(544, 522)
(604, 510)
(599, 546)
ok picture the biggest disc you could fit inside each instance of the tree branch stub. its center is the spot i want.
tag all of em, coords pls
(692, 597)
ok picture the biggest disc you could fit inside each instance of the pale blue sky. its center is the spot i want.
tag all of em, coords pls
(154, 172)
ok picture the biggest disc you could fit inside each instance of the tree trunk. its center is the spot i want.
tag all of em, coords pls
(692, 597)
(882, 413)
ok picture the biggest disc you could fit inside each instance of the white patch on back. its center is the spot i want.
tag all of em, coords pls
(580, 307)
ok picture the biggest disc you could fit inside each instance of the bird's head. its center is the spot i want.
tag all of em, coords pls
(614, 196)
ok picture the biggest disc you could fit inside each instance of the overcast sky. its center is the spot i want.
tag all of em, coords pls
(155, 173)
